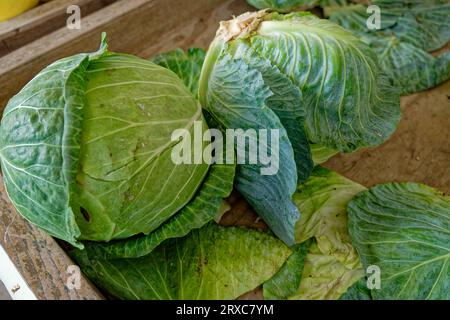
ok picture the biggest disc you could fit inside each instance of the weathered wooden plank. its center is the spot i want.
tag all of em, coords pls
(38, 258)
(199, 31)
(40, 21)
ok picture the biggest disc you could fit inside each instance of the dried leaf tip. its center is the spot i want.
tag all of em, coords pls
(241, 26)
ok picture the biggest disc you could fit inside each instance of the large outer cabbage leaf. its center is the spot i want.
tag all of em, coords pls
(411, 68)
(129, 183)
(332, 264)
(40, 144)
(354, 17)
(404, 229)
(424, 24)
(427, 28)
(239, 97)
(284, 102)
(321, 82)
(210, 263)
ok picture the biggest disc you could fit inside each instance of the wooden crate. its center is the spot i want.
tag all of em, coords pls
(419, 151)
(41, 20)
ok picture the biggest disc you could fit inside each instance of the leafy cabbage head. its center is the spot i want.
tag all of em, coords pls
(315, 82)
(86, 147)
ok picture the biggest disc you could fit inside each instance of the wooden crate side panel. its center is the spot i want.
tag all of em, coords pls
(38, 258)
(40, 21)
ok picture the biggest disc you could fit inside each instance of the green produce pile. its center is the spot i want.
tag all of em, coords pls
(85, 150)
(409, 32)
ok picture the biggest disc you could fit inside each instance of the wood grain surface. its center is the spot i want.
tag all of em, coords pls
(419, 151)
(40, 21)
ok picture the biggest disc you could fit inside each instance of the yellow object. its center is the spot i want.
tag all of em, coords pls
(11, 8)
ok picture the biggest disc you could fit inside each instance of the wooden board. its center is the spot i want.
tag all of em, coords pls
(38, 258)
(40, 21)
(419, 151)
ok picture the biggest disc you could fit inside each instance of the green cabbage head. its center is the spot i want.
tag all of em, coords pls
(315, 82)
(86, 148)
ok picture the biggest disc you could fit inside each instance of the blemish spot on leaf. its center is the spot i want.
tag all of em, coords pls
(85, 214)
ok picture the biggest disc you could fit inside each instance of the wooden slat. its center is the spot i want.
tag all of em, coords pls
(4, 295)
(40, 21)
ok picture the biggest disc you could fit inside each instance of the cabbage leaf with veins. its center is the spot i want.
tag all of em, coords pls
(324, 263)
(86, 147)
(310, 79)
(213, 262)
(404, 229)
(410, 31)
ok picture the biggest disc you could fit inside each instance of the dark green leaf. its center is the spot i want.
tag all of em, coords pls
(358, 291)
(236, 98)
(410, 68)
(187, 65)
(409, 30)
(40, 139)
